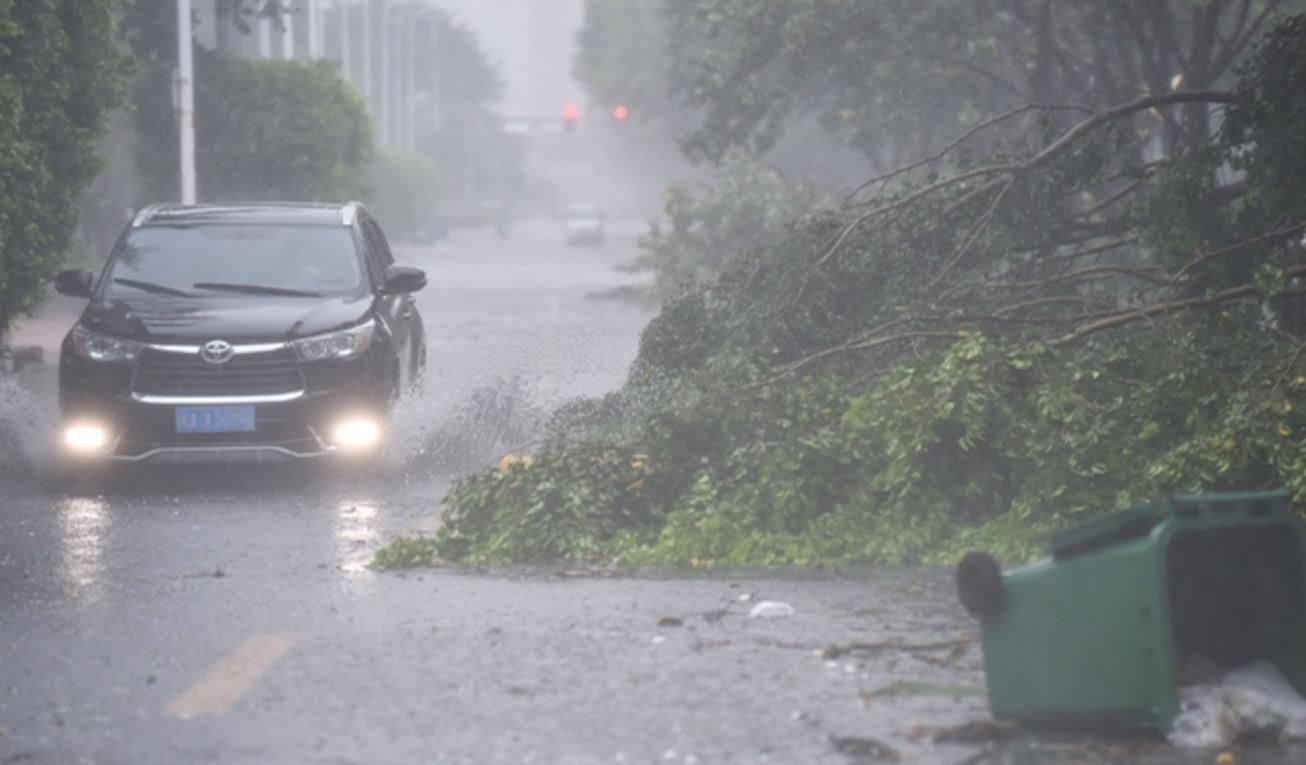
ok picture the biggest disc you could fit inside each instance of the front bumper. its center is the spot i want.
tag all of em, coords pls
(289, 425)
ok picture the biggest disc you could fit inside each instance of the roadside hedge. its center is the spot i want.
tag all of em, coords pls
(60, 75)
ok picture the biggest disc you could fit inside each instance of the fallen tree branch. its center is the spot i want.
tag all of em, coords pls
(861, 345)
(976, 229)
(1071, 276)
(1120, 318)
(979, 127)
(1281, 233)
(1050, 152)
(848, 228)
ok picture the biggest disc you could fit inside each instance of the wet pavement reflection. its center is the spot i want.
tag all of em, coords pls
(242, 597)
(84, 525)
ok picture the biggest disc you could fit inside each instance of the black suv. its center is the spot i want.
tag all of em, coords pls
(256, 332)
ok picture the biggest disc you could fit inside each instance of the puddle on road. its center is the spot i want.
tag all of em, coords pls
(357, 534)
(84, 523)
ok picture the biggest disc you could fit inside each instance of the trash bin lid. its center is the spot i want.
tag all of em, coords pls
(1139, 520)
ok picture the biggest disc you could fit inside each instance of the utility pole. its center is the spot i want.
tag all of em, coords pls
(264, 37)
(344, 11)
(287, 36)
(314, 30)
(410, 89)
(367, 56)
(387, 87)
(186, 101)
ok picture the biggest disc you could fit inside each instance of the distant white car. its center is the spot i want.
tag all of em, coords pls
(583, 224)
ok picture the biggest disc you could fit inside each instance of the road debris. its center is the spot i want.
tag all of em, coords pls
(771, 609)
(909, 688)
(894, 646)
(862, 749)
(973, 732)
(1255, 702)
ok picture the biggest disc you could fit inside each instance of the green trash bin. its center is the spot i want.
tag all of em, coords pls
(1099, 633)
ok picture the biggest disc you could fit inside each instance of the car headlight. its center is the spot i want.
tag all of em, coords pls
(336, 345)
(97, 347)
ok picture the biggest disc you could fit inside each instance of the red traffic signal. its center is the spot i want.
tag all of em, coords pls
(570, 114)
(620, 113)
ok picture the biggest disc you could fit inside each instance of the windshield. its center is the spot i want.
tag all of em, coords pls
(270, 259)
(582, 212)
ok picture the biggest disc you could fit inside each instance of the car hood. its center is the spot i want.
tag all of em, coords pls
(244, 319)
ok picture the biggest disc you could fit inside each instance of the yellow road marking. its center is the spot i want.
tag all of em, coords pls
(234, 675)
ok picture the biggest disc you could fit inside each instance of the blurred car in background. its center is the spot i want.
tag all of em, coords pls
(583, 224)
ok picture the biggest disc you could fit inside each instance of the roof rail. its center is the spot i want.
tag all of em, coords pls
(348, 212)
(144, 215)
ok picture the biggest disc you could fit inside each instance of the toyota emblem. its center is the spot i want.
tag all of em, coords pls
(217, 351)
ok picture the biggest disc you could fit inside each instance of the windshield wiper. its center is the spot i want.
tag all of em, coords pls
(255, 289)
(158, 289)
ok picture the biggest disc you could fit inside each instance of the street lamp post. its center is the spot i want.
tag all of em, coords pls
(287, 36)
(186, 101)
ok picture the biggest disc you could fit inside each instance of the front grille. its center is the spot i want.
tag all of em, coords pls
(183, 374)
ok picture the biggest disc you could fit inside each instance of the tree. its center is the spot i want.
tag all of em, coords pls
(894, 78)
(622, 57)
(459, 85)
(987, 346)
(264, 129)
(60, 76)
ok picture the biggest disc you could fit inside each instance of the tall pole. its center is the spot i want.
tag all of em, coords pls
(287, 36)
(346, 56)
(264, 37)
(367, 56)
(186, 101)
(410, 89)
(387, 87)
(314, 30)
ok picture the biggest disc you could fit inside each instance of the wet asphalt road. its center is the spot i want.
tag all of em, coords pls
(227, 616)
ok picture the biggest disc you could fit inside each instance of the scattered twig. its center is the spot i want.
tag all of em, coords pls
(839, 651)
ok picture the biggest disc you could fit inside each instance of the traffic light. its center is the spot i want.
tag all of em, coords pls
(620, 112)
(570, 116)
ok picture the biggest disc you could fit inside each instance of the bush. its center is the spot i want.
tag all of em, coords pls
(954, 364)
(60, 74)
(405, 193)
(747, 206)
(264, 130)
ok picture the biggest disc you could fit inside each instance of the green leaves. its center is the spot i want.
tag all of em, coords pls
(925, 387)
(60, 74)
(746, 207)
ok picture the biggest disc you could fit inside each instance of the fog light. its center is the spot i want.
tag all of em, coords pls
(357, 434)
(85, 437)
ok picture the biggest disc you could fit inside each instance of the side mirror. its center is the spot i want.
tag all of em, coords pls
(76, 282)
(400, 280)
